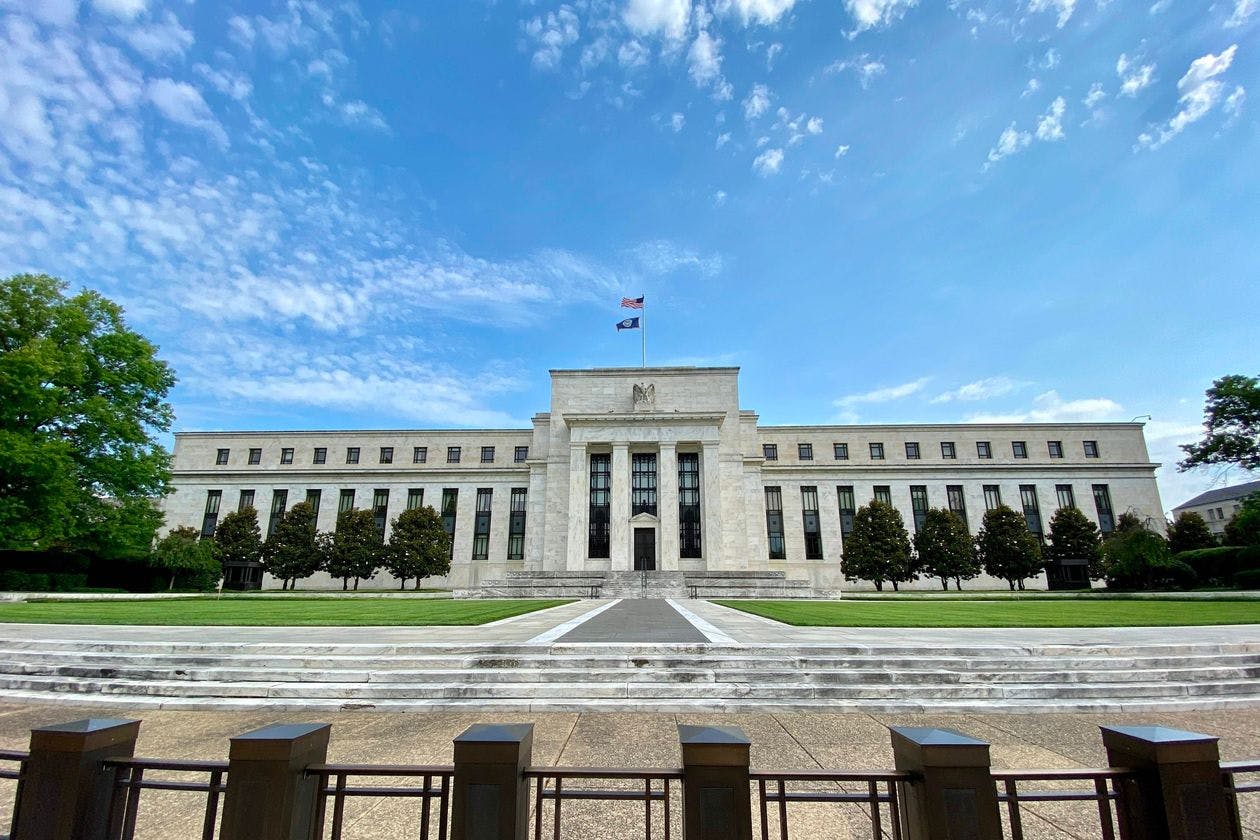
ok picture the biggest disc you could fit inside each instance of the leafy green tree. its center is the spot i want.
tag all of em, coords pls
(946, 549)
(182, 553)
(291, 552)
(1138, 558)
(418, 546)
(1007, 549)
(1243, 528)
(355, 549)
(1231, 425)
(1074, 537)
(237, 540)
(1128, 523)
(1189, 532)
(878, 548)
(82, 398)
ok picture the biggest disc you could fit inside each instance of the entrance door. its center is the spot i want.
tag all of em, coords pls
(644, 549)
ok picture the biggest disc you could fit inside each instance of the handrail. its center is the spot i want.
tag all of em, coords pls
(603, 773)
(1063, 775)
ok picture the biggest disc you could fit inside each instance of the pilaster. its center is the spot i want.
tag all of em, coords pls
(579, 503)
(667, 505)
(619, 531)
(711, 507)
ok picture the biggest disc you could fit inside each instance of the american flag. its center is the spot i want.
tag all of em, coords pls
(632, 303)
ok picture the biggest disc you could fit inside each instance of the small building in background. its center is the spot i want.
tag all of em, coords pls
(1218, 506)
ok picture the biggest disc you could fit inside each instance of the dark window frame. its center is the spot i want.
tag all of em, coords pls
(770, 451)
(1019, 449)
(984, 450)
(518, 502)
(992, 497)
(810, 523)
(948, 451)
(210, 518)
(877, 451)
(386, 455)
(1054, 448)
(882, 493)
(918, 505)
(689, 515)
(913, 453)
(599, 505)
(419, 454)
(319, 455)
(777, 546)
(1065, 495)
(840, 451)
(342, 498)
(804, 451)
(1091, 448)
(520, 454)
(481, 523)
(644, 483)
(844, 493)
(352, 454)
(221, 457)
(453, 454)
(255, 456)
(415, 497)
(487, 454)
(286, 455)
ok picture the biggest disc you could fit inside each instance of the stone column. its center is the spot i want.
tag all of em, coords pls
(619, 531)
(956, 797)
(717, 801)
(711, 507)
(269, 795)
(579, 505)
(65, 793)
(491, 796)
(667, 506)
(1178, 793)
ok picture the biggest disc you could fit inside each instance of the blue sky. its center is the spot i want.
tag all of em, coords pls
(359, 215)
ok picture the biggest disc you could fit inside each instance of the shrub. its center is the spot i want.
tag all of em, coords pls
(1248, 579)
(1139, 559)
(1212, 565)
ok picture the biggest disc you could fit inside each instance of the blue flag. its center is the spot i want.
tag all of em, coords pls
(628, 324)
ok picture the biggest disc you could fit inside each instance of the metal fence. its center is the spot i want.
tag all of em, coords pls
(130, 781)
(1103, 794)
(431, 784)
(12, 764)
(877, 795)
(650, 787)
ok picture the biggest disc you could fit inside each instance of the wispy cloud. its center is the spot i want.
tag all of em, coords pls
(1200, 91)
(883, 395)
(1049, 407)
(981, 389)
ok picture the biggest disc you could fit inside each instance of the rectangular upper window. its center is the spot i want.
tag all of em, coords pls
(520, 454)
(1019, 449)
(1065, 495)
(387, 454)
(841, 451)
(947, 449)
(415, 497)
(320, 456)
(352, 454)
(221, 457)
(912, 450)
(286, 455)
(883, 493)
(487, 454)
(877, 451)
(983, 450)
(419, 454)
(1055, 448)
(770, 451)
(805, 451)
(255, 456)
(1091, 448)
(452, 454)
(992, 497)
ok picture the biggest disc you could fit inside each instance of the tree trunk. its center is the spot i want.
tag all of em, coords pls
(879, 586)
(356, 584)
(172, 586)
(417, 586)
(958, 584)
(345, 584)
(896, 588)
(1021, 584)
(402, 585)
(945, 583)
(1011, 584)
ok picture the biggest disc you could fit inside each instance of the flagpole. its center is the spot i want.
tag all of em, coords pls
(643, 334)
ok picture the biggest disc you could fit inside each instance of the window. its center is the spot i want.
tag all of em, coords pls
(487, 454)
(415, 498)
(883, 493)
(211, 517)
(805, 451)
(419, 454)
(912, 450)
(956, 501)
(770, 451)
(992, 497)
(520, 454)
(1065, 496)
(848, 509)
(352, 454)
(286, 455)
(516, 523)
(221, 457)
(320, 456)
(918, 505)
(1220, 514)
(313, 498)
(452, 454)
(947, 450)
(809, 517)
(774, 523)
(247, 500)
(1102, 504)
(1091, 448)
(1211, 515)
(481, 524)
(450, 502)
(1032, 511)
(643, 483)
(689, 504)
(1055, 448)
(380, 510)
(387, 455)
(983, 450)
(877, 451)
(598, 515)
(255, 456)
(1019, 449)
(279, 501)
(345, 501)
(841, 451)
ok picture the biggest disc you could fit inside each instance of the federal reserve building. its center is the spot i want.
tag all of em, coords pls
(660, 470)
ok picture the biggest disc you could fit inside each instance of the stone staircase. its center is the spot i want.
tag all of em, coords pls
(675, 677)
(654, 584)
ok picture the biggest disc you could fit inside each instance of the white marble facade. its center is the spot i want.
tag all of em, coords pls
(665, 413)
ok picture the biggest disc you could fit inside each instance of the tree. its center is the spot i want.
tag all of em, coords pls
(1231, 426)
(291, 552)
(1243, 528)
(355, 549)
(946, 549)
(1189, 532)
(1007, 549)
(1138, 558)
(878, 547)
(418, 546)
(183, 552)
(237, 540)
(1074, 537)
(82, 398)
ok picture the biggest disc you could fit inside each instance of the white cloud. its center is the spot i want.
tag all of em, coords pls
(722, 140)
(772, 52)
(1234, 102)
(661, 257)
(158, 40)
(226, 82)
(883, 395)
(704, 59)
(1243, 10)
(981, 389)
(869, 14)
(1010, 142)
(1159, 7)
(125, 9)
(719, 198)
(1133, 76)
(667, 18)
(866, 69)
(1200, 91)
(768, 162)
(182, 103)
(1050, 124)
(757, 102)
(756, 11)
(814, 125)
(358, 113)
(1051, 59)
(1049, 407)
(551, 34)
(1096, 94)
(51, 12)
(632, 54)
(1064, 8)
(841, 151)
(1032, 87)
(677, 121)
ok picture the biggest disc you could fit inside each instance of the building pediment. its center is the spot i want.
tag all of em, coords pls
(644, 519)
(641, 418)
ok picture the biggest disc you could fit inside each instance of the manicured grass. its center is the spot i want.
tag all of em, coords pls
(978, 613)
(272, 611)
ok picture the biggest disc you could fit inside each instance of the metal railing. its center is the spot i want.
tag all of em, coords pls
(647, 794)
(130, 781)
(1230, 771)
(435, 783)
(14, 774)
(881, 790)
(1103, 794)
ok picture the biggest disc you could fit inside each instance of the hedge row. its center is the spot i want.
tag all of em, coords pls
(1224, 565)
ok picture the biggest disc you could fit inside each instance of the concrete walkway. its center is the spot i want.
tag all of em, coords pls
(636, 621)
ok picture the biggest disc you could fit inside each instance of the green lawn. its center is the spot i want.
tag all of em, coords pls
(978, 613)
(272, 611)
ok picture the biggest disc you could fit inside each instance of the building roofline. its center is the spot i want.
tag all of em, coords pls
(1222, 494)
(249, 432)
(863, 426)
(656, 371)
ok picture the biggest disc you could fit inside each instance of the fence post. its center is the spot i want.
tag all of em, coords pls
(1178, 793)
(955, 796)
(491, 793)
(269, 796)
(717, 803)
(66, 791)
